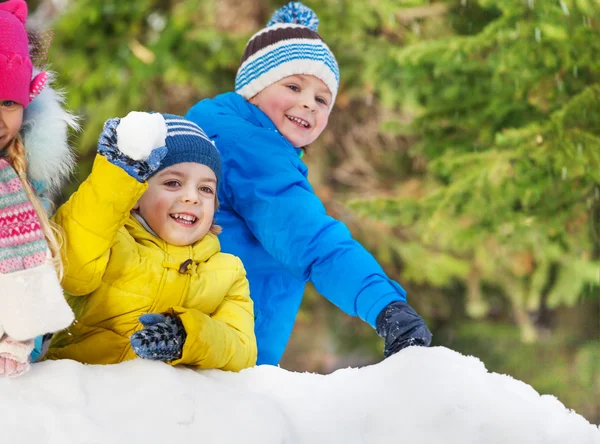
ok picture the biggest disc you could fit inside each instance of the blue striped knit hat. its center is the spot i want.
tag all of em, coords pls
(288, 46)
(187, 142)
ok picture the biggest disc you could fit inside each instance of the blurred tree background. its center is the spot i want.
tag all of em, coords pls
(463, 151)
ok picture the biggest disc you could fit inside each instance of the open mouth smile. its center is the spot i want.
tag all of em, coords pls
(298, 121)
(184, 219)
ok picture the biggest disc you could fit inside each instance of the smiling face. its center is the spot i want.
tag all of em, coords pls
(299, 107)
(11, 119)
(179, 204)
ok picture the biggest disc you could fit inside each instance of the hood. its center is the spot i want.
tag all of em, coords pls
(228, 104)
(231, 105)
(227, 114)
(45, 136)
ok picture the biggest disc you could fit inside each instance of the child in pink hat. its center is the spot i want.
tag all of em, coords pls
(34, 158)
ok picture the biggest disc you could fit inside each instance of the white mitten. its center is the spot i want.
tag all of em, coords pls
(14, 356)
(139, 133)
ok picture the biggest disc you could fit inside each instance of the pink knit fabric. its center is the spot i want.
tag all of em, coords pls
(15, 64)
(22, 241)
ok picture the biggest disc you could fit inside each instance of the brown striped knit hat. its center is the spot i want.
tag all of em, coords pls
(289, 45)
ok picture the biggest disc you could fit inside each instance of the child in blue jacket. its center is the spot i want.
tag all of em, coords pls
(271, 218)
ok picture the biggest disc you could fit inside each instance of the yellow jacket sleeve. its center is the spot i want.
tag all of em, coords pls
(224, 340)
(90, 220)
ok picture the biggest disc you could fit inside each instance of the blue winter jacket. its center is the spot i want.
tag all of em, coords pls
(274, 222)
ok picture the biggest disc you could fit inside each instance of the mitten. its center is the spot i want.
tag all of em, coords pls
(401, 326)
(162, 338)
(14, 357)
(135, 143)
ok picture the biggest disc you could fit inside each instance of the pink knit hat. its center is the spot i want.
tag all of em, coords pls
(15, 63)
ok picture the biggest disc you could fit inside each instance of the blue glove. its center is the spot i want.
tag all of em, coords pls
(140, 170)
(162, 338)
(401, 326)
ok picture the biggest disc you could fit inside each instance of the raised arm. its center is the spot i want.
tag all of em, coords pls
(92, 216)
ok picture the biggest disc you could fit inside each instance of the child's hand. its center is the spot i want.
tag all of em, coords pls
(139, 133)
(14, 357)
(401, 326)
(148, 159)
(161, 340)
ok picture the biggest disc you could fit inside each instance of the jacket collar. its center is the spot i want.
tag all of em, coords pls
(201, 251)
(252, 114)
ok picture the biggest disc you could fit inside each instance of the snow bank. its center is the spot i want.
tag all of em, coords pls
(421, 395)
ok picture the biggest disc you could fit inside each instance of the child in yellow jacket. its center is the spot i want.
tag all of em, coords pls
(143, 265)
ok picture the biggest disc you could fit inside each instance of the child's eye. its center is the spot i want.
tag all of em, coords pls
(8, 103)
(207, 190)
(172, 183)
(322, 100)
(293, 88)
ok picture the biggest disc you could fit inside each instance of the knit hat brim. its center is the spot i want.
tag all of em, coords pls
(284, 59)
(15, 82)
(202, 152)
(187, 142)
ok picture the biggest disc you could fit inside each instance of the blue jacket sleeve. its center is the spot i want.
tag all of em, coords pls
(267, 189)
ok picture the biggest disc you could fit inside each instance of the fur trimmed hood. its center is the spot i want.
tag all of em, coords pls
(45, 127)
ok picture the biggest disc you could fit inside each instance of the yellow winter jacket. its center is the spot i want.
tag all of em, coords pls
(115, 271)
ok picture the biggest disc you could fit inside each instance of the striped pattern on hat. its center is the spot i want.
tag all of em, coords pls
(187, 142)
(22, 241)
(290, 45)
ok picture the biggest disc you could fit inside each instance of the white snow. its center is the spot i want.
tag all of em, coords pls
(418, 396)
(139, 133)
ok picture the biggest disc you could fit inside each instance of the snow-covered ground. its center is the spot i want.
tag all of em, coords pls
(421, 395)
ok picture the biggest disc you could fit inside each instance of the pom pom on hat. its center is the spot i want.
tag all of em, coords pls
(295, 12)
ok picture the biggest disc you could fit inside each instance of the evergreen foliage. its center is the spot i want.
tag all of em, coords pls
(508, 121)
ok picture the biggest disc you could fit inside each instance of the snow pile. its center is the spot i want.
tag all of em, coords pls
(421, 395)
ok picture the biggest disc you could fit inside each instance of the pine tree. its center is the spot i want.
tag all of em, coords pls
(508, 122)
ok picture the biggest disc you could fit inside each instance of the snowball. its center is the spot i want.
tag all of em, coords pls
(139, 133)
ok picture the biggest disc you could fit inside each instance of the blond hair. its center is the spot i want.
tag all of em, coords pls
(18, 159)
(214, 228)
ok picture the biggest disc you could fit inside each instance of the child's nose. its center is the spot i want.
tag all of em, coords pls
(191, 197)
(310, 106)
(309, 103)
